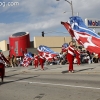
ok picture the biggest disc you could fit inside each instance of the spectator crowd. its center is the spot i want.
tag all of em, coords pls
(85, 58)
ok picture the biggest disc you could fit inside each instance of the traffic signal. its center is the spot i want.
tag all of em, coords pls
(43, 34)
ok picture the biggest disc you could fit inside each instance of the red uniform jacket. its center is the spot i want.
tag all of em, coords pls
(3, 60)
(2, 65)
(77, 54)
(70, 57)
(35, 57)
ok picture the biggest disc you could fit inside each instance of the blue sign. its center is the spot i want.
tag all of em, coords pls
(93, 23)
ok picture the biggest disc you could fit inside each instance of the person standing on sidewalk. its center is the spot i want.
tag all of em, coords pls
(70, 56)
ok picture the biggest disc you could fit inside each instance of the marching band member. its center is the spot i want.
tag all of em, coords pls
(77, 52)
(2, 65)
(70, 56)
(36, 60)
(42, 60)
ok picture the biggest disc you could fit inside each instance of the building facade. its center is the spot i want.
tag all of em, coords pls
(55, 43)
(3, 45)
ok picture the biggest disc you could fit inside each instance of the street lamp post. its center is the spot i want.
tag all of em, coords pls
(70, 2)
(72, 16)
(71, 6)
(75, 13)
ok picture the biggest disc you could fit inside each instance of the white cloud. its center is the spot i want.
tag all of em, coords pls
(45, 15)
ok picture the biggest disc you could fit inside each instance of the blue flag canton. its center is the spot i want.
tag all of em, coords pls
(78, 25)
(46, 49)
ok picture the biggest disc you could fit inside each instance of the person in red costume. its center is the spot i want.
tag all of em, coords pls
(2, 65)
(36, 60)
(70, 56)
(77, 53)
(41, 60)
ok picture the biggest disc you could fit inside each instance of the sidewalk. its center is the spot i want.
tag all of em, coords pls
(57, 69)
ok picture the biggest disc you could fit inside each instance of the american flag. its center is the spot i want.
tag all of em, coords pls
(46, 52)
(64, 46)
(82, 34)
(27, 59)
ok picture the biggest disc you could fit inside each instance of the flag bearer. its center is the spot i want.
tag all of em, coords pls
(41, 60)
(36, 60)
(70, 56)
(2, 65)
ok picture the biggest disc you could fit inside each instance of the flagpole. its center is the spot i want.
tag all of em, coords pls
(71, 4)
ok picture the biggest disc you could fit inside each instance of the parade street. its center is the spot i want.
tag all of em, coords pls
(53, 83)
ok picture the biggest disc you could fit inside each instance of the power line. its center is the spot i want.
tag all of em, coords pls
(47, 32)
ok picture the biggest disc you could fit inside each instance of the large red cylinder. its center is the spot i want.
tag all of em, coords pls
(18, 43)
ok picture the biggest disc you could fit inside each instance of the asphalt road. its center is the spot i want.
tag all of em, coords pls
(69, 86)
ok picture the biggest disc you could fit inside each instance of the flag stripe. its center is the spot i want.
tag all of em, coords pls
(83, 35)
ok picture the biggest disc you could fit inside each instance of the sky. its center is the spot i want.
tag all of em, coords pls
(35, 16)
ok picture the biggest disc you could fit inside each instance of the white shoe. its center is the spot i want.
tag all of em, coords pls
(72, 71)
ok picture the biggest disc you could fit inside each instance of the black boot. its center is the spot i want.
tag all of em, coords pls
(1, 79)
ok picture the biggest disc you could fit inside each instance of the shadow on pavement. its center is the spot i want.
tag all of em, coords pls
(2, 83)
(63, 72)
(31, 68)
(11, 75)
(11, 70)
(75, 71)
(83, 69)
